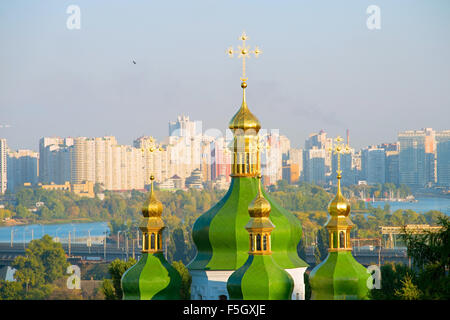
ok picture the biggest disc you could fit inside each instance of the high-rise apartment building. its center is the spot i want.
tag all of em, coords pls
(220, 160)
(430, 156)
(23, 167)
(412, 160)
(55, 159)
(183, 127)
(3, 166)
(376, 166)
(296, 157)
(83, 160)
(314, 165)
(271, 158)
(443, 158)
(320, 141)
(101, 160)
(392, 175)
(155, 159)
(285, 146)
(293, 165)
(373, 165)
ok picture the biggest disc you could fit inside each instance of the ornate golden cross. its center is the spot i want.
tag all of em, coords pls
(339, 148)
(244, 53)
(260, 145)
(152, 146)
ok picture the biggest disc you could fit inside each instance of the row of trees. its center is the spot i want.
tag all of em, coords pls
(40, 274)
(181, 208)
(428, 277)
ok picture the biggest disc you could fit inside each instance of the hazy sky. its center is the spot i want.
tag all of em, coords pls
(321, 67)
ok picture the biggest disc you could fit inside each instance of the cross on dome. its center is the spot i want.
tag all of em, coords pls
(244, 53)
(339, 148)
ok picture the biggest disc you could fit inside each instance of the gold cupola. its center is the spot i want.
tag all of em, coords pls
(259, 207)
(152, 206)
(260, 227)
(244, 119)
(339, 206)
(152, 225)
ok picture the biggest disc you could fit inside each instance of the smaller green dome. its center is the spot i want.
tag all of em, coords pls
(151, 278)
(260, 278)
(339, 277)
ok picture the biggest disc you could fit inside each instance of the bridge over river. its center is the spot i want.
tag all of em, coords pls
(368, 257)
(75, 252)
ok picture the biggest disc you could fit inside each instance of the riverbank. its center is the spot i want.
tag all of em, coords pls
(77, 231)
(26, 222)
(422, 205)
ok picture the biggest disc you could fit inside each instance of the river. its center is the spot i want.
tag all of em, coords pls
(421, 206)
(81, 231)
(78, 231)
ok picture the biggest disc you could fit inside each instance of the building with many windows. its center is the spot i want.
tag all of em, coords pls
(55, 159)
(3, 166)
(314, 165)
(412, 167)
(376, 166)
(23, 167)
(392, 167)
(443, 158)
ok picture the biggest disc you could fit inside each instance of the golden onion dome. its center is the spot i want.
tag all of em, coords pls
(152, 206)
(259, 207)
(244, 119)
(339, 206)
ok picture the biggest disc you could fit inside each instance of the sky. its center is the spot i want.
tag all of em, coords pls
(321, 68)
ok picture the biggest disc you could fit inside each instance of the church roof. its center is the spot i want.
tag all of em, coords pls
(222, 240)
(152, 278)
(260, 278)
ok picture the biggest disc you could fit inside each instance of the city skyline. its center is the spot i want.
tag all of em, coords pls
(225, 133)
(318, 70)
(188, 158)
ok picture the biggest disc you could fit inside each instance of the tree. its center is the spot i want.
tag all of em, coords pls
(5, 213)
(392, 277)
(430, 253)
(43, 263)
(10, 290)
(51, 255)
(186, 279)
(301, 250)
(308, 290)
(30, 272)
(116, 269)
(22, 212)
(409, 291)
(322, 243)
(179, 244)
(108, 290)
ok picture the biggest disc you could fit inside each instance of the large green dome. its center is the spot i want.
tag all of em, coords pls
(339, 277)
(152, 278)
(222, 240)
